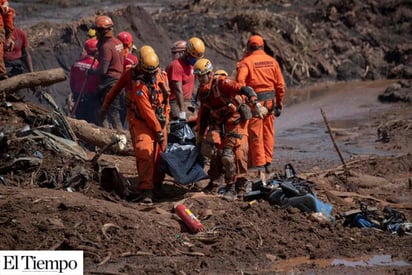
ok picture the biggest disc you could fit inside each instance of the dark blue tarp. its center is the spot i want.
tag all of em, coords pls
(182, 163)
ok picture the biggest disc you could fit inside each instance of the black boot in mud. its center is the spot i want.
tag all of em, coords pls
(230, 193)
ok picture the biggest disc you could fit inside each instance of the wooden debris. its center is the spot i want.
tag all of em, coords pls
(98, 136)
(31, 80)
(382, 202)
(106, 227)
(345, 169)
(106, 259)
(260, 243)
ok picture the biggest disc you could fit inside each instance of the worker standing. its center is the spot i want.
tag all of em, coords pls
(225, 108)
(147, 115)
(130, 60)
(262, 72)
(91, 34)
(181, 78)
(84, 87)
(111, 59)
(6, 31)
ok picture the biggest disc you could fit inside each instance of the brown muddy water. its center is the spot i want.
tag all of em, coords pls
(301, 132)
(363, 261)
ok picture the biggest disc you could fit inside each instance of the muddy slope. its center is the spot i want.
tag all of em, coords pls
(313, 40)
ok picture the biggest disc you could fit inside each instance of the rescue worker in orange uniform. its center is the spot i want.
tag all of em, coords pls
(6, 31)
(161, 75)
(110, 67)
(182, 80)
(145, 49)
(262, 72)
(225, 108)
(147, 115)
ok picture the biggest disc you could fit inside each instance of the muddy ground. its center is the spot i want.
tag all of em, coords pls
(318, 43)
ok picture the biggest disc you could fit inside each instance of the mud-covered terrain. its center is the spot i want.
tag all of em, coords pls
(318, 44)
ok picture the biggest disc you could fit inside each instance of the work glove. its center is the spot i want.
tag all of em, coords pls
(160, 137)
(277, 111)
(262, 111)
(182, 116)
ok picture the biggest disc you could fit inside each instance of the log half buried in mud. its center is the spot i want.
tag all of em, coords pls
(100, 137)
(31, 80)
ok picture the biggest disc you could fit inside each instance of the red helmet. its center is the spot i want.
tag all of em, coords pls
(90, 46)
(103, 22)
(179, 46)
(126, 38)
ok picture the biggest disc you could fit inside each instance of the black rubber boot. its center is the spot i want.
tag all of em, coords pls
(230, 193)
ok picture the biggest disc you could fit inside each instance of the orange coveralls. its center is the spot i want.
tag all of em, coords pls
(6, 30)
(218, 114)
(144, 107)
(262, 72)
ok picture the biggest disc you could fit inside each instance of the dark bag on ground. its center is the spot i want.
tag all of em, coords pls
(182, 163)
(290, 191)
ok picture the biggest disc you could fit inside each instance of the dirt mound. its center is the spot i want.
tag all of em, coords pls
(401, 91)
(120, 236)
(340, 40)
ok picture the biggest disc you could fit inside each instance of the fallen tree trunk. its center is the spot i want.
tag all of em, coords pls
(98, 136)
(30, 80)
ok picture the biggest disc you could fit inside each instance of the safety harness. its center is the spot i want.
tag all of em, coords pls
(158, 107)
(220, 115)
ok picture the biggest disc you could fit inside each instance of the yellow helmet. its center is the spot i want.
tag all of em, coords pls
(149, 62)
(91, 33)
(195, 47)
(221, 72)
(144, 50)
(202, 67)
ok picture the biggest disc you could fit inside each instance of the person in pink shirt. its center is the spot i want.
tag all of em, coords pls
(18, 60)
(181, 78)
(83, 87)
(7, 15)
